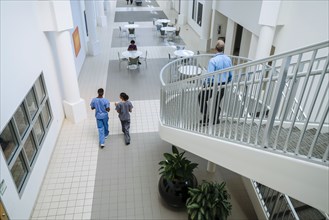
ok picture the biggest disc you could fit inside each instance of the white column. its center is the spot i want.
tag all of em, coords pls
(204, 44)
(74, 106)
(267, 19)
(253, 47)
(245, 43)
(211, 167)
(101, 18)
(107, 5)
(229, 37)
(182, 17)
(265, 41)
(93, 43)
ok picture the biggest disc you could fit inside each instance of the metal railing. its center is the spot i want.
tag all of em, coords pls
(278, 103)
(277, 205)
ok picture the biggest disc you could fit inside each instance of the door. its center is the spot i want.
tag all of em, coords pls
(3, 214)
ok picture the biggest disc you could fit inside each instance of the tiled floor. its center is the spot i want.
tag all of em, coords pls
(120, 182)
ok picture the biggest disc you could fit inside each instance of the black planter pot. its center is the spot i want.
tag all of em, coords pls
(174, 193)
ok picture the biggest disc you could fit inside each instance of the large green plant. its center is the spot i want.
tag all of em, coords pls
(208, 201)
(176, 166)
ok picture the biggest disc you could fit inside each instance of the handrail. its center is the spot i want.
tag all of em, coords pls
(268, 104)
(279, 206)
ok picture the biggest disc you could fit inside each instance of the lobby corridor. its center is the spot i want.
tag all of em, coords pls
(119, 181)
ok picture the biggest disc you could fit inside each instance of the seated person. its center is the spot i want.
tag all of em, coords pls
(132, 45)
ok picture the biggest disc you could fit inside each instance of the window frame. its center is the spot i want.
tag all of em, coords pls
(29, 132)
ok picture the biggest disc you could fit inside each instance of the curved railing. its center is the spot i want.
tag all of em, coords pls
(278, 103)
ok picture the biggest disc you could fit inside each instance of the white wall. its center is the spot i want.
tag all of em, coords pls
(303, 23)
(78, 20)
(245, 13)
(25, 52)
(221, 20)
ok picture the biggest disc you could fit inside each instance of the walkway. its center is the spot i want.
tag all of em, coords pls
(119, 181)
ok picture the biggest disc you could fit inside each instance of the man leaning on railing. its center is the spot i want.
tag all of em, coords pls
(218, 62)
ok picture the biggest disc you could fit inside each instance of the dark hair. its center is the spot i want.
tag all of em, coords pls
(124, 96)
(100, 91)
(132, 41)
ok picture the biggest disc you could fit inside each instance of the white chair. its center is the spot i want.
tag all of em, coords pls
(144, 57)
(131, 35)
(121, 58)
(133, 63)
(122, 31)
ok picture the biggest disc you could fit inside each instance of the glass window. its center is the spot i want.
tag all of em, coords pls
(30, 148)
(31, 103)
(40, 90)
(38, 130)
(193, 9)
(8, 142)
(46, 114)
(19, 171)
(21, 120)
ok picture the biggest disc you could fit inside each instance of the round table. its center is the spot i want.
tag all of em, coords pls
(131, 26)
(190, 70)
(132, 53)
(168, 29)
(183, 53)
(163, 20)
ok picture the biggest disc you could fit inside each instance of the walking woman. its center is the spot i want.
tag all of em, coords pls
(124, 108)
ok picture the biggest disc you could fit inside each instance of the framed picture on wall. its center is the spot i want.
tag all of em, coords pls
(76, 41)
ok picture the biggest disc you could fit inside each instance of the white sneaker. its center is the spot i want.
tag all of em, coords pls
(102, 146)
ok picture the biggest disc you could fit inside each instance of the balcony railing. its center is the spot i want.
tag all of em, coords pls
(279, 103)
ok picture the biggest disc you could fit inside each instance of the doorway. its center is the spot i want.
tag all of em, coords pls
(3, 213)
(237, 41)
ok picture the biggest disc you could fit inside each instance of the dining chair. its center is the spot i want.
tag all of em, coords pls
(177, 32)
(144, 57)
(133, 63)
(121, 58)
(171, 57)
(131, 33)
(131, 22)
(164, 24)
(122, 30)
(162, 33)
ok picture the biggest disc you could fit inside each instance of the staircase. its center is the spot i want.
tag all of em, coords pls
(274, 123)
(280, 206)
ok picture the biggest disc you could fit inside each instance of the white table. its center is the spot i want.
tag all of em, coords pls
(162, 21)
(183, 53)
(132, 53)
(131, 26)
(168, 29)
(190, 70)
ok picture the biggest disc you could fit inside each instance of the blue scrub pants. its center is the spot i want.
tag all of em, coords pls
(103, 129)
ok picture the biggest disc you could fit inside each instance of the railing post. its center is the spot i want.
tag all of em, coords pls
(276, 101)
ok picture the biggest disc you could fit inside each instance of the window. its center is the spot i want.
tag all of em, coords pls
(194, 10)
(40, 90)
(46, 114)
(31, 103)
(8, 142)
(22, 138)
(38, 130)
(30, 148)
(200, 9)
(19, 171)
(21, 120)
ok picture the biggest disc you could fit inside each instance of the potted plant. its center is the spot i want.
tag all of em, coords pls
(176, 177)
(208, 201)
